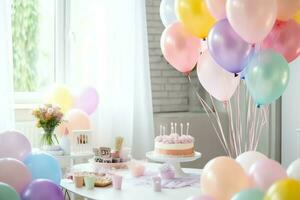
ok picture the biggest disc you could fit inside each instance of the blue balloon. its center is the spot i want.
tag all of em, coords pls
(249, 194)
(43, 166)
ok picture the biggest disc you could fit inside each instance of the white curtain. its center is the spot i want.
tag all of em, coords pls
(6, 68)
(109, 51)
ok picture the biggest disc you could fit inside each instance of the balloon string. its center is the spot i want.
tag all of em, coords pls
(206, 107)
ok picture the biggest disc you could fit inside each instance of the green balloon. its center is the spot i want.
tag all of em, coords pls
(8, 193)
(267, 76)
(249, 194)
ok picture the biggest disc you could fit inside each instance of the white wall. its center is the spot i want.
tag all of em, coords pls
(291, 115)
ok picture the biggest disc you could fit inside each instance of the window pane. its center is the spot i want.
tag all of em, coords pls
(33, 23)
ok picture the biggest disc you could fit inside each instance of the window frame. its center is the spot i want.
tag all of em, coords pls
(61, 58)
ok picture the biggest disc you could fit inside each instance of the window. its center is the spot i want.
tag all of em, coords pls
(33, 38)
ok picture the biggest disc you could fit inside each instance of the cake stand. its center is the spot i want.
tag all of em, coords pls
(173, 160)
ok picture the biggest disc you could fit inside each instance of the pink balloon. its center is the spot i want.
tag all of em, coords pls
(14, 173)
(252, 19)
(202, 197)
(14, 144)
(216, 81)
(284, 39)
(87, 100)
(217, 8)
(266, 172)
(180, 48)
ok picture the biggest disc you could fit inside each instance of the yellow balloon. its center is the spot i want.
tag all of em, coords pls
(287, 189)
(195, 16)
(62, 97)
(297, 17)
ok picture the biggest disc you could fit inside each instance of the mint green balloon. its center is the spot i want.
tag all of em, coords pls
(249, 194)
(8, 193)
(267, 76)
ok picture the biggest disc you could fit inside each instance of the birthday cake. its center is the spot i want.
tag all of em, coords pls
(174, 144)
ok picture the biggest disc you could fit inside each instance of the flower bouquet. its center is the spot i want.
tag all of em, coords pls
(48, 117)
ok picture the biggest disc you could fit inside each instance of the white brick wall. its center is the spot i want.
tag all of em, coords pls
(170, 89)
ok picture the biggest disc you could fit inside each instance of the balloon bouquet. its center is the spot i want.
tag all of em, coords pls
(24, 174)
(251, 176)
(76, 108)
(250, 42)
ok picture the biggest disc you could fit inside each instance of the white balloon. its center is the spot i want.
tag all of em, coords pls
(247, 159)
(293, 170)
(167, 12)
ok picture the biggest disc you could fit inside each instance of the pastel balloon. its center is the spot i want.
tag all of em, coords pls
(247, 159)
(252, 19)
(167, 12)
(267, 76)
(297, 17)
(284, 39)
(249, 194)
(75, 119)
(293, 170)
(260, 172)
(42, 189)
(223, 177)
(8, 193)
(217, 8)
(60, 95)
(14, 145)
(216, 81)
(87, 100)
(180, 48)
(14, 173)
(287, 9)
(195, 16)
(287, 189)
(43, 166)
(202, 197)
(227, 48)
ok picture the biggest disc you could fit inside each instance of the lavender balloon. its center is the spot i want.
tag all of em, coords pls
(42, 189)
(88, 100)
(227, 48)
(14, 145)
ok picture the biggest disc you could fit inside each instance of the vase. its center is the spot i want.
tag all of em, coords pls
(48, 138)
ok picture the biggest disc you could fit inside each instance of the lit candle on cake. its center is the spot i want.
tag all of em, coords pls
(187, 128)
(172, 128)
(181, 129)
(175, 128)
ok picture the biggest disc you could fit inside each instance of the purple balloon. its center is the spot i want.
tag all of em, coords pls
(14, 144)
(202, 197)
(42, 189)
(87, 100)
(227, 48)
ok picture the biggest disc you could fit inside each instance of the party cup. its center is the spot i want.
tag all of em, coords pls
(89, 182)
(78, 180)
(117, 181)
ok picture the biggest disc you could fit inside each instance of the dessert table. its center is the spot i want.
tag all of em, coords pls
(131, 191)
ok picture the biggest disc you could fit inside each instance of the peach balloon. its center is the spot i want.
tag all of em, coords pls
(75, 119)
(222, 178)
(252, 19)
(217, 8)
(287, 9)
(180, 48)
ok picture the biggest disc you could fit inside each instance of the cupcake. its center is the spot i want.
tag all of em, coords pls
(167, 171)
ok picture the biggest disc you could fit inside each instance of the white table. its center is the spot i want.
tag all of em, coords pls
(129, 191)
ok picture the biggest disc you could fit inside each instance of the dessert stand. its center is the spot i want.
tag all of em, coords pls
(173, 160)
